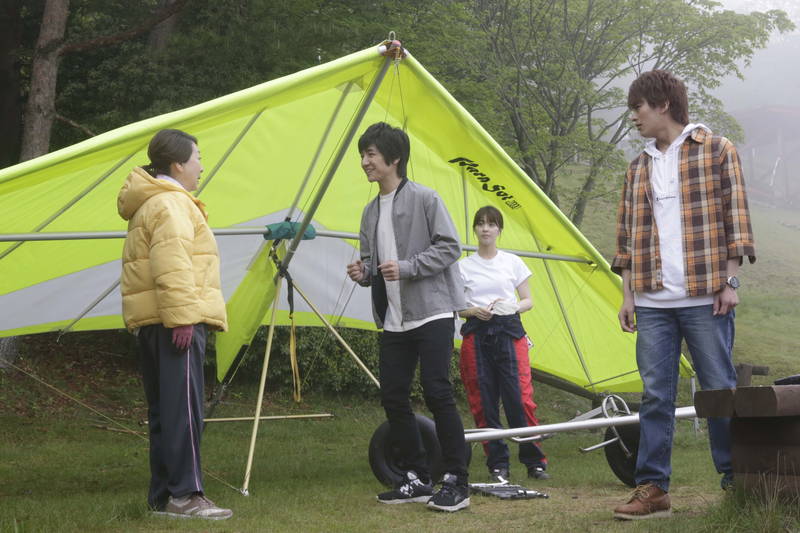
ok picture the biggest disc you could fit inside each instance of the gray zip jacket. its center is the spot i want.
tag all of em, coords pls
(427, 250)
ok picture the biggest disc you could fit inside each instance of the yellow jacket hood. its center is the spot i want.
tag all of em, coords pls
(140, 187)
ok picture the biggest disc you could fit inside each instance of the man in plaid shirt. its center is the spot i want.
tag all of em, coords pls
(683, 227)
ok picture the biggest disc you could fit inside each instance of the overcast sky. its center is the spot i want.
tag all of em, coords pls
(773, 77)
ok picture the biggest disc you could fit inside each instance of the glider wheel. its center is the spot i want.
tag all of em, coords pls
(623, 465)
(383, 454)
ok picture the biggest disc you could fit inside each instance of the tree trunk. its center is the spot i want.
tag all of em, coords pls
(8, 350)
(528, 163)
(10, 101)
(159, 36)
(550, 174)
(40, 109)
(579, 208)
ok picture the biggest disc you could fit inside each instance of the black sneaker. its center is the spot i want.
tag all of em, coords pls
(451, 496)
(499, 475)
(410, 490)
(727, 483)
(537, 472)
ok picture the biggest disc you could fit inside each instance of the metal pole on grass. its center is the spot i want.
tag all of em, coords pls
(274, 417)
(261, 387)
(594, 423)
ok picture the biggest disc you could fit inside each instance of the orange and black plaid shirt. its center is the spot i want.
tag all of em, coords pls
(714, 215)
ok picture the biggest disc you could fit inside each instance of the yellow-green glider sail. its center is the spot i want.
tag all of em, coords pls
(258, 146)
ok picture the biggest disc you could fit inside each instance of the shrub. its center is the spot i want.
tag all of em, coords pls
(325, 366)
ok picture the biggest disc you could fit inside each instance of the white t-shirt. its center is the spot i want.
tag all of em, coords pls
(665, 180)
(387, 251)
(486, 280)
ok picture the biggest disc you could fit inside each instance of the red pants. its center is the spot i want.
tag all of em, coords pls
(498, 368)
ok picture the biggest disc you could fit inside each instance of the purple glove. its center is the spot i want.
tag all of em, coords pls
(182, 336)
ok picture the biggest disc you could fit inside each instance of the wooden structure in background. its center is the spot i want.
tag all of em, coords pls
(765, 431)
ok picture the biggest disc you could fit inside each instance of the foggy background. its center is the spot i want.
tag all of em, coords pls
(767, 105)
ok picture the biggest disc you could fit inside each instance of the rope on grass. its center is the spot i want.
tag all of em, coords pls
(79, 402)
(124, 429)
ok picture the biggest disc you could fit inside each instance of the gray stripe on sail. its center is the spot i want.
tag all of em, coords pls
(319, 270)
(61, 298)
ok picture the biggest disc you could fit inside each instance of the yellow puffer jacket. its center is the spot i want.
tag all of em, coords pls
(170, 262)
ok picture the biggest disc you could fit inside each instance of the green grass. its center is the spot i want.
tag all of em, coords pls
(64, 474)
(61, 472)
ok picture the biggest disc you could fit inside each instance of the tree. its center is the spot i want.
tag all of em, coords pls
(141, 67)
(40, 110)
(50, 48)
(558, 68)
(10, 102)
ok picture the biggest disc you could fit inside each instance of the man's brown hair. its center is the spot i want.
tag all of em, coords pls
(658, 87)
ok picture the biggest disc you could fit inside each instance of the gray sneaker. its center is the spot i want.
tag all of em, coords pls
(451, 496)
(499, 475)
(195, 506)
(537, 472)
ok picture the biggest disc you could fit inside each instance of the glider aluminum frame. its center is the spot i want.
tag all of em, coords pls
(614, 410)
(309, 214)
(260, 230)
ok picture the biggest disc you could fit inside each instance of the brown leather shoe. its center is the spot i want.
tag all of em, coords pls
(647, 501)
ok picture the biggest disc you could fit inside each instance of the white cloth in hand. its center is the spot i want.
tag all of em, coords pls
(505, 307)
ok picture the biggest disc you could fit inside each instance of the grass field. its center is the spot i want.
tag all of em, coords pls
(62, 470)
(64, 473)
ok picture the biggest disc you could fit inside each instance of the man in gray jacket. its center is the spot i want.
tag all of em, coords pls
(409, 249)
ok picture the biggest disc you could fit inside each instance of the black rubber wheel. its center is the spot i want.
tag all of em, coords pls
(383, 455)
(624, 467)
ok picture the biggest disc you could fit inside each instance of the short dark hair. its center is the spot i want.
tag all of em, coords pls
(391, 142)
(489, 214)
(167, 147)
(657, 87)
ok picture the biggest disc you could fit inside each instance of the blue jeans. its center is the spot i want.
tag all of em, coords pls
(658, 350)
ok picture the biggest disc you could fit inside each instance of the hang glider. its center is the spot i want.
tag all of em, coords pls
(266, 150)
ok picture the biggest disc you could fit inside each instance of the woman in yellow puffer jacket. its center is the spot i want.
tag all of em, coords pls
(171, 295)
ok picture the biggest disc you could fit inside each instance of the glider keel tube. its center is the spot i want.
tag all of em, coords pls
(334, 165)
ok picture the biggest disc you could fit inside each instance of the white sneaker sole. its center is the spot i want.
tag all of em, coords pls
(179, 515)
(417, 499)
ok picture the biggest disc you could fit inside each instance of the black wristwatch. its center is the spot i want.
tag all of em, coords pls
(733, 282)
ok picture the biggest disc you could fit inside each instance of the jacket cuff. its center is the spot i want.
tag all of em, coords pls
(405, 269)
(741, 250)
(620, 263)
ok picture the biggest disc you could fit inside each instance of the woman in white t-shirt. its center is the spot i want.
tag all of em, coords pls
(494, 354)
